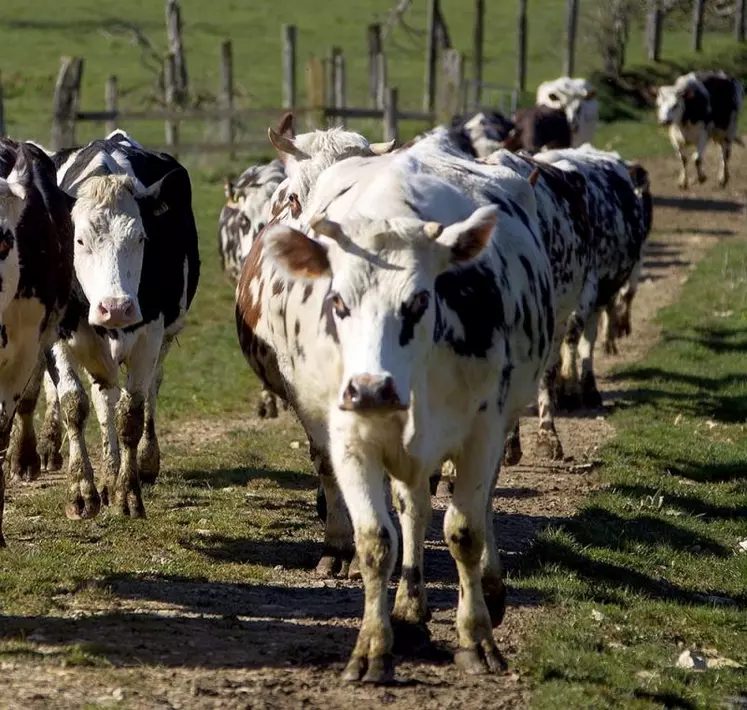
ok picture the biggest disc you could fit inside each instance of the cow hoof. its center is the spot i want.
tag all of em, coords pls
(129, 505)
(445, 487)
(723, 182)
(267, 409)
(513, 453)
(410, 639)
(354, 569)
(333, 563)
(148, 461)
(549, 446)
(702, 179)
(592, 399)
(478, 660)
(321, 504)
(50, 457)
(610, 347)
(433, 482)
(377, 669)
(494, 591)
(26, 470)
(83, 507)
(2, 541)
(569, 401)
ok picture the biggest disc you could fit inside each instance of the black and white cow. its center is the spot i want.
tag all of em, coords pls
(700, 106)
(481, 133)
(137, 267)
(619, 216)
(36, 269)
(412, 328)
(246, 212)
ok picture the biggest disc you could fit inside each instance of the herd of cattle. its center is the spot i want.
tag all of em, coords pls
(407, 302)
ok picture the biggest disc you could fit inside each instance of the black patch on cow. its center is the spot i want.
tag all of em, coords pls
(330, 327)
(411, 313)
(297, 327)
(483, 407)
(722, 97)
(472, 292)
(3, 336)
(307, 290)
(412, 578)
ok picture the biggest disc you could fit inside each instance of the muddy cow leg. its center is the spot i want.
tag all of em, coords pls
(130, 418)
(25, 463)
(338, 550)
(548, 441)
(148, 450)
(83, 499)
(679, 146)
(267, 407)
(512, 452)
(698, 156)
(105, 394)
(471, 544)
(5, 425)
(410, 614)
(723, 174)
(50, 436)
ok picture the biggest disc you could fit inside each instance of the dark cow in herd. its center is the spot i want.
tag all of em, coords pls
(699, 107)
(36, 268)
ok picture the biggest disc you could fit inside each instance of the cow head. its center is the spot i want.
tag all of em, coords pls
(109, 217)
(670, 105)
(572, 96)
(381, 300)
(13, 197)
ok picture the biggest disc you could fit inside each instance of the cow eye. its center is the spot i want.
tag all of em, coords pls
(418, 304)
(553, 97)
(79, 241)
(338, 304)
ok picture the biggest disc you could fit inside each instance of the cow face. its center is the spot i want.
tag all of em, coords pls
(13, 194)
(572, 96)
(108, 218)
(670, 105)
(381, 298)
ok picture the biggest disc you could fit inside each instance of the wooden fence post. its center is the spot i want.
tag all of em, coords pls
(329, 76)
(339, 87)
(698, 8)
(66, 94)
(176, 49)
(431, 51)
(315, 92)
(2, 109)
(171, 128)
(226, 94)
(382, 79)
(289, 66)
(477, 45)
(391, 132)
(571, 25)
(653, 31)
(374, 50)
(739, 20)
(450, 86)
(110, 101)
(521, 47)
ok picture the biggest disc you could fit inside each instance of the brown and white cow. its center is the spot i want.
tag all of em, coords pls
(409, 312)
(538, 128)
(36, 269)
(698, 107)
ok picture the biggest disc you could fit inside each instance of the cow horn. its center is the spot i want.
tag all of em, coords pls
(382, 148)
(320, 224)
(283, 144)
(433, 230)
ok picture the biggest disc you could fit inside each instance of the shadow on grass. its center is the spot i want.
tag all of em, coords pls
(698, 204)
(242, 475)
(686, 504)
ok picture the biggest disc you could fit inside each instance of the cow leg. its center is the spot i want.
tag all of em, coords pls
(50, 437)
(130, 420)
(267, 407)
(567, 383)
(5, 426)
(469, 543)
(338, 549)
(148, 450)
(410, 614)
(25, 463)
(105, 395)
(83, 499)
(361, 480)
(512, 452)
(589, 392)
(679, 147)
(699, 153)
(723, 175)
(548, 442)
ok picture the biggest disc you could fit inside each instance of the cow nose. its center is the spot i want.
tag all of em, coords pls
(369, 392)
(117, 312)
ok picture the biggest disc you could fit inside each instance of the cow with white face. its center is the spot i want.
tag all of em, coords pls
(577, 98)
(36, 268)
(136, 266)
(699, 107)
(409, 311)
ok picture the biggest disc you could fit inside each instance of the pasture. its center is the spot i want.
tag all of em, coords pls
(619, 559)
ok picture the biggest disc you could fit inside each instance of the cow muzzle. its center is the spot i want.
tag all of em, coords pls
(368, 393)
(118, 312)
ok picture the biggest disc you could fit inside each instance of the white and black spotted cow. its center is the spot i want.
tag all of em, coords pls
(36, 268)
(137, 267)
(564, 225)
(577, 99)
(410, 323)
(246, 212)
(619, 216)
(700, 106)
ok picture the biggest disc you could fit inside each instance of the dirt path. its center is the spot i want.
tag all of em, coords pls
(199, 645)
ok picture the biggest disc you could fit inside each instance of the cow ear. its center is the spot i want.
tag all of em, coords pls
(590, 94)
(285, 146)
(466, 240)
(296, 254)
(155, 196)
(285, 126)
